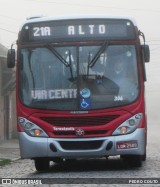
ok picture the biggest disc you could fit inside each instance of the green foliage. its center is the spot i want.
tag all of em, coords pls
(4, 161)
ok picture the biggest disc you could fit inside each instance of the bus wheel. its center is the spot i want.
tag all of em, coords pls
(144, 157)
(133, 160)
(70, 160)
(41, 164)
(57, 160)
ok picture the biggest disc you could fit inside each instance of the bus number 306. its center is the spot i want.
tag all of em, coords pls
(41, 31)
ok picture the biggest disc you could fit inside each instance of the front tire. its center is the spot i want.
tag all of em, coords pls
(133, 160)
(41, 164)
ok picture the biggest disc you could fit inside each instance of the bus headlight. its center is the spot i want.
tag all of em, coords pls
(129, 125)
(30, 128)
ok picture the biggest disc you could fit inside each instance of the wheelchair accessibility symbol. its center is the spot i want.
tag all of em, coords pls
(85, 103)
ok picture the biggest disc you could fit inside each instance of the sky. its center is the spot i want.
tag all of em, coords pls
(146, 13)
(14, 12)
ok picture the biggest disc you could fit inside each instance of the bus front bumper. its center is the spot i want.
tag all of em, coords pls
(33, 147)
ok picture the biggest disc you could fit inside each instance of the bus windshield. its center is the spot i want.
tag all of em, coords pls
(78, 77)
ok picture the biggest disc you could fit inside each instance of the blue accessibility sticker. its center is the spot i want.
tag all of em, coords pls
(85, 103)
(85, 93)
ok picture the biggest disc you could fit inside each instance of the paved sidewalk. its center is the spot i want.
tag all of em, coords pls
(9, 149)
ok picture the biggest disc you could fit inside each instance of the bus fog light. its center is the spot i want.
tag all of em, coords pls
(123, 130)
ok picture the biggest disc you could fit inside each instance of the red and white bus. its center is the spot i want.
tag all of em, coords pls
(80, 89)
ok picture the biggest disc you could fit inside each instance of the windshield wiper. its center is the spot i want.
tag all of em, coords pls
(30, 67)
(70, 66)
(67, 64)
(55, 52)
(97, 55)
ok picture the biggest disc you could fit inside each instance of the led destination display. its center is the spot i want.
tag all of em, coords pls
(78, 30)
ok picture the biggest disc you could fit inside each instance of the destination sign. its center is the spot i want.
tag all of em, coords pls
(69, 30)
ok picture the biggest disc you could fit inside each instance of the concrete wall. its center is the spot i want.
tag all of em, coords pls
(8, 128)
(1, 115)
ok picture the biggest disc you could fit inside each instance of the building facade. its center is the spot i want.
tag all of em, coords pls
(7, 98)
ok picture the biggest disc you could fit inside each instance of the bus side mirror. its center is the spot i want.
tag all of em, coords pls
(11, 58)
(146, 53)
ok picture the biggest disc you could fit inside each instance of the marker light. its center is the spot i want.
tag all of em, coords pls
(129, 125)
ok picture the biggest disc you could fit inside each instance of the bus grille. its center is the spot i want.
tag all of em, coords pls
(72, 133)
(79, 121)
(81, 145)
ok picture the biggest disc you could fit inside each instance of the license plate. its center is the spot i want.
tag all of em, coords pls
(127, 145)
